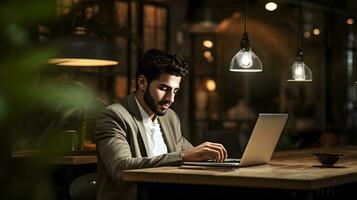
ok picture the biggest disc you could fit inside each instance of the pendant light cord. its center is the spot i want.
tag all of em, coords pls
(244, 43)
(245, 16)
(300, 26)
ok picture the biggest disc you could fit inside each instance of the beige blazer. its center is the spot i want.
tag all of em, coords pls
(122, 144)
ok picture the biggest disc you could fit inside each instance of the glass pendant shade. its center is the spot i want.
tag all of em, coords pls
(246, 61)
(300, 72)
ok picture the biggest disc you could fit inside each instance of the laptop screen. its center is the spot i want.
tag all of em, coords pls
(229, 139)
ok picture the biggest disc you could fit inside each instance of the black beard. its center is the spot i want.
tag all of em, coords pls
(149, 100)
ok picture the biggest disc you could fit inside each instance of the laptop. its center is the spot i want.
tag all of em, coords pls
(261, 144)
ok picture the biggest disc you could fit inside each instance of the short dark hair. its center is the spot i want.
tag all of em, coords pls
(155, 62)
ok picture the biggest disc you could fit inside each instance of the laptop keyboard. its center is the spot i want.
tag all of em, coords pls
(232, 160)
(228, 160)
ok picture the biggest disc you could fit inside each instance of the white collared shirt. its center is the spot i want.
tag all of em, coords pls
(155, 141)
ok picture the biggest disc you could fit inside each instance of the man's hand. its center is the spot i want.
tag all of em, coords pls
(205, 151)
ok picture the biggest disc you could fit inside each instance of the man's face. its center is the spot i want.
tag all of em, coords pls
(161, 92)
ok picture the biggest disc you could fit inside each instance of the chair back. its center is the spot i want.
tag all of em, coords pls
(84, 187)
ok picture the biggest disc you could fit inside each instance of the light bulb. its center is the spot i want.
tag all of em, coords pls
(271, 6)
(207, 54)
(300, 72)
(211, 85)
(316, 31)
(246, 59)
(207, 43)
(349, 21)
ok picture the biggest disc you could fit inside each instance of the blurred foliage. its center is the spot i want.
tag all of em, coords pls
(32, 101)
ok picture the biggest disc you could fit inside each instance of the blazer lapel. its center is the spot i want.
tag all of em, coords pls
(133, 108)
(167, 134)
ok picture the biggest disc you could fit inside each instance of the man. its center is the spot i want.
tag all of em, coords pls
(143, 131)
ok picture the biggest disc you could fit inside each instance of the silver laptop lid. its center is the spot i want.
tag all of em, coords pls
(263, 139)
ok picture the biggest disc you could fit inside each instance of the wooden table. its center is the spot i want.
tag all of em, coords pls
(77, 158)
(289, 175)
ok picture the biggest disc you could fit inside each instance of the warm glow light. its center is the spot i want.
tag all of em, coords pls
(210, 59)
(300, 72)
(349, 21)
(81, 62)
(207, 54)
(271, 6)
(208, 43)
(316, 31)
(307, 34)
(246, 59)
(210, 85)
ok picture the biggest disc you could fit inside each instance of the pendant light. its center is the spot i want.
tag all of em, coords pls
(299, 71)
(245, 60)
(80, 49)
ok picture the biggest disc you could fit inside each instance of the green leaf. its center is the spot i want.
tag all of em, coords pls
(26, 11)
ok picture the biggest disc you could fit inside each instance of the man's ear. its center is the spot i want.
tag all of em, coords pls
(142, 83)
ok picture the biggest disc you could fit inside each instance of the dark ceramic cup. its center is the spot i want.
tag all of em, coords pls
(328, 158)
